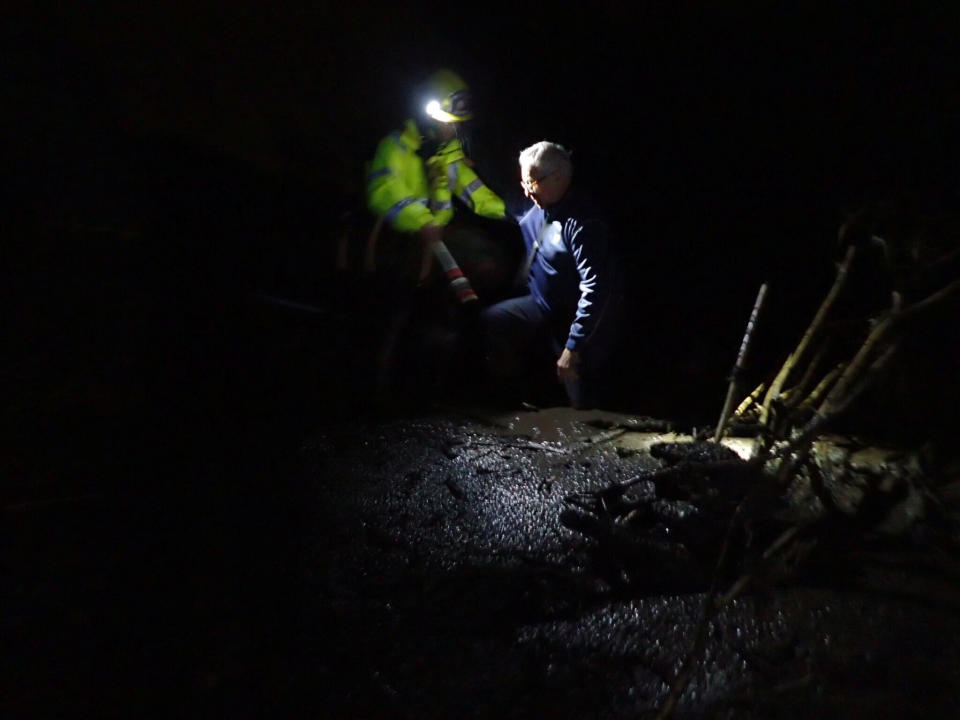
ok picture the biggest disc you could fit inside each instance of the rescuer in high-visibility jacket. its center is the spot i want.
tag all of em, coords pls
(412, 188)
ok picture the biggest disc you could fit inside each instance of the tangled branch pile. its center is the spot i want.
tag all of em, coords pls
(806, 502)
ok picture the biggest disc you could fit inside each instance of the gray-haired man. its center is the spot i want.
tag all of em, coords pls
(570, 272)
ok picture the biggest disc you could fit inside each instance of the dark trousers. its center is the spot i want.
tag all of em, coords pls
(518, 336)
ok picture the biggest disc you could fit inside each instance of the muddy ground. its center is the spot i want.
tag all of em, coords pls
(453, 589)
(216, 513)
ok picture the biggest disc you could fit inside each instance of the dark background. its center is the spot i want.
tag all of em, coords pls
(163, 162)
(217, 146)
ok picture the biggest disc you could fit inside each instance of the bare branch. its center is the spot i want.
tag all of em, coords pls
(797, 356)
(749, 400)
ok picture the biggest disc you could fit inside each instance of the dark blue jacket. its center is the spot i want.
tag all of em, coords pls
(573, 275)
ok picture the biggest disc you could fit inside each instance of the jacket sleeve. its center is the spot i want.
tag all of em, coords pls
(463, 182)
(388, 195)
(475, 194)
(589, 245)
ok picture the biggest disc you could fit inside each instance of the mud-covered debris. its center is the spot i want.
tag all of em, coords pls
(598, 570)
(634, 424)
(582, 522)
(603, 437)
(450, 451)
(454, 487)
(698, 452)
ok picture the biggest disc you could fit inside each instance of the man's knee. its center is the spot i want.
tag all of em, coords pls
(505, 335)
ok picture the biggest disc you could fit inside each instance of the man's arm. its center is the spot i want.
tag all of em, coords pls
(590, 246)
(463, 182)
(477, 196)
(389, 196)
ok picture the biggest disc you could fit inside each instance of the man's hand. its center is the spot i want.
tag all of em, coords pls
(567, 365)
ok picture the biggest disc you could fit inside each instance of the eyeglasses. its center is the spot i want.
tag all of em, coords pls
(532, 184)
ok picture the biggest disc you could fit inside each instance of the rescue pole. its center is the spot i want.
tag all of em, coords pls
(459, 284)
(738, 367)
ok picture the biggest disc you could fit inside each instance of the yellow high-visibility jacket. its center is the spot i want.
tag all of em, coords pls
(400, 190)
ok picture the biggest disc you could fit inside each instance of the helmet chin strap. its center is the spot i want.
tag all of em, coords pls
(463, 135)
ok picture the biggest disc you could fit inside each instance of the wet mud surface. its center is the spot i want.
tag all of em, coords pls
(211, 514)
(439, 581)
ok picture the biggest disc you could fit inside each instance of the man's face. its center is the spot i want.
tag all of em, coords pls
(543, 187)
(446, 131)
(439, 132)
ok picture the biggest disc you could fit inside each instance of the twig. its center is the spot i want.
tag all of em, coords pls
(796, 393)
(520, 444)
(633, 424)
(786, 536)
(822, 387)
(744, 580)
(891, 324)
(833, 406)
(749, 400)
(944, 259)
(736, 589)
(797, 355)
(838, 396)
(603, 437)
(928, 302)
(795, 684)
(858, 374)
